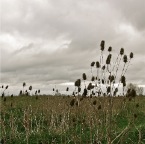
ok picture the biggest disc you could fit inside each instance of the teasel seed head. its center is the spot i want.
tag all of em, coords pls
(125, 58)
(103, 68)
(93, 78)
(123, 79)
(121, 51)
(24, 84)
(2, 86)
(85, 92)
(99, 107)
(84, 76)
(108, 90)
(67, 89)
(110, 49)
(7, 87)
(94, 102)
(131, 55)
(30, 88)
(97, 64)
(108, 60)
(79, 89)
(102, 45)
(92, 64)
(72, 102)
(39, 91)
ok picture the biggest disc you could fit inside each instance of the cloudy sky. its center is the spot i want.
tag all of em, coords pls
(48, 42)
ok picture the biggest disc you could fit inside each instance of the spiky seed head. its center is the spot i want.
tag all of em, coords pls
(94, 102)
(85, 92)
(135, 115)
(121, 51)
(110, 49)
(103, 68)
(78, 83)
(116, 89)
(35, 92)
(5, 99)
(89, 86)
(67, 89)
(92, 64)
(102, 45)
(97, 64)
(93, 78)
(7, 87)
(84, 76)
(79, 89)
(99, 107)
(30, 88)
(20, 92)
(125, 58)
(123, 79)
(96, 78)
(3, 94)
(131, 55)
(12, 95)
(39, 91)
(2, 86)
(103, 81)
(112, 78)
(53, 89)
(24, 84)
(108, 90)
(108, 60)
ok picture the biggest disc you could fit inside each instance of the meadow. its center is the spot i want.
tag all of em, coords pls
(95, 113)
(60, 120)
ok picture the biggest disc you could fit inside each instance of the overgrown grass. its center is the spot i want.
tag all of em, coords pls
(51, 119)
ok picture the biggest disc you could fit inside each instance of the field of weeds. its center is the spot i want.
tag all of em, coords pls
(61, 120)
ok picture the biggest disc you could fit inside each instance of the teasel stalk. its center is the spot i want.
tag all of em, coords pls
(118, 64)
(84, 78)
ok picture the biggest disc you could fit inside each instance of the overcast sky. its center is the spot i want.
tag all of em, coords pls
(47, 42)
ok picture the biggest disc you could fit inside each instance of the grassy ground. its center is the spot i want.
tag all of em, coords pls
(61, 119)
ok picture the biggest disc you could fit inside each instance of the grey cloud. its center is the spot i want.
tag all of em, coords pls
(83, 23)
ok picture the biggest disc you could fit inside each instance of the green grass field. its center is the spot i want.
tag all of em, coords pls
(61, 120)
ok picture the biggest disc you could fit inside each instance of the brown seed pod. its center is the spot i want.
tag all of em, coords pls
(103, 68)
(2, 86)
(24, 84)
(125, 58)
(38, 91)
(67, 89)
(78, 83)
(97, 64)
(123, 79)
(84, 76)
(108, 89)
(94, 102)
(11, 95)
(35, 92)
(102, 45)
(110, 49)
(79, 89)
(108, 60)
(92, 64)
(30, 88)
(103, 81)
(7, 87)
(85, 92)
(135, 115)
(131, 55)
(99, 107)
(121, 51)
(72, 102)
(21, 92)
(93, 78)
